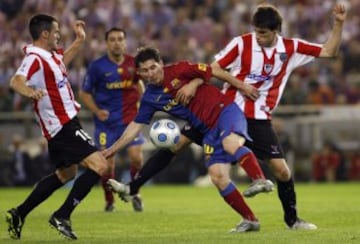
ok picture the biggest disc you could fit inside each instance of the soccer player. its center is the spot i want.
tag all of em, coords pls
(111, 90)
(265, 59)
(211, 112)
(42, 77)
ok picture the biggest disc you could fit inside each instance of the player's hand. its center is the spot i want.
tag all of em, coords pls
(186, 93)
(102, 114)
(339, 12)
(37, 94)
(107, 153)
(250, 91)
(79, 29)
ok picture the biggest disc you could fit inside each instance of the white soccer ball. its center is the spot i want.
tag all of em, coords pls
(164, 133)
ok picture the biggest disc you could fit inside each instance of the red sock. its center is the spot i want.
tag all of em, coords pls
(251, 166)
(109, 197)
(233, 197)
(133, 172)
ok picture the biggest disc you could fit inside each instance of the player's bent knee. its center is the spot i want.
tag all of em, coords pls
(66, 174)
(232, 142)
(96, 162)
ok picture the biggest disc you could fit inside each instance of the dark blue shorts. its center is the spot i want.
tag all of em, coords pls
(231, 120)
(105, 136)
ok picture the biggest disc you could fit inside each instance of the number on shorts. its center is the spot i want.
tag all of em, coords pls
(102, 138)
(83, 135)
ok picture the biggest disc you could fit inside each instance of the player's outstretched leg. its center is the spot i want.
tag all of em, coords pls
(259, 186)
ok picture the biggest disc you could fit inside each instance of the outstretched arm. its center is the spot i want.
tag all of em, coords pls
(73, 49)
(129, 134)
(332, 45)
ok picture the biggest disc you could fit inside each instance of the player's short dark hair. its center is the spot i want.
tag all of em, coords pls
(146, 53)
(39, 23)
(114, 29)
(268, 17)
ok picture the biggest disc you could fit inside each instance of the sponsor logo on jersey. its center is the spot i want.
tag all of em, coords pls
(62, 83)
(119, 84)
(259, 77)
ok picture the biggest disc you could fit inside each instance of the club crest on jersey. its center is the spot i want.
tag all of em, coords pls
(175, 83)
(202, 67)
(283, 57)
(268, 68)
(120, 70)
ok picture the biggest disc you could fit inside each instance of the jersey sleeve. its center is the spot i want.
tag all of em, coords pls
(29, 66)
(145, 112)
(196, 70)
(90, 78)
(306, 51)
(229, 54)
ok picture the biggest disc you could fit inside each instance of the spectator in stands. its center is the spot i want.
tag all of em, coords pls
(354, 169)
(326, 163)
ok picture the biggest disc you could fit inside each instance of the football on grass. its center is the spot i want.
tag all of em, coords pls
(164, 133)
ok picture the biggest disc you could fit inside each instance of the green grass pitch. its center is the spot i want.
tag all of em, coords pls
(188, 214)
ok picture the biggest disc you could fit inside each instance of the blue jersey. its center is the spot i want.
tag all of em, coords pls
(114, 88)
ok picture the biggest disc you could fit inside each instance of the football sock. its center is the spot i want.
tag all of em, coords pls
(109, 196)
(157, 162)
(287, 195)
(249, 163)
(80, 189)
(43, 189)
(233, 197)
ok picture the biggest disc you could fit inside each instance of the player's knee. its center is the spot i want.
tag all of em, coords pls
(219, 178)
(232, 143)
(280, 169)
(66, 174)
(97, 163)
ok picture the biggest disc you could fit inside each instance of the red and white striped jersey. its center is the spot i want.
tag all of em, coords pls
(268, 69)
(46, 70)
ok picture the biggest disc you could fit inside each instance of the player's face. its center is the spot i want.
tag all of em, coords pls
(116, 44)
(53, 37)
(265, 37)
(151, 71)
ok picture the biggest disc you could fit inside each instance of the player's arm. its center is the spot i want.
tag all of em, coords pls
(141, 87)
(187, 92)
(89, 102)
(131, 131)
(246, 89)
(73, 49)
(18, 84)
(332, 45)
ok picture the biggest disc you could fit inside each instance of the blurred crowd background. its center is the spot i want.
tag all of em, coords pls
(188, 29)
